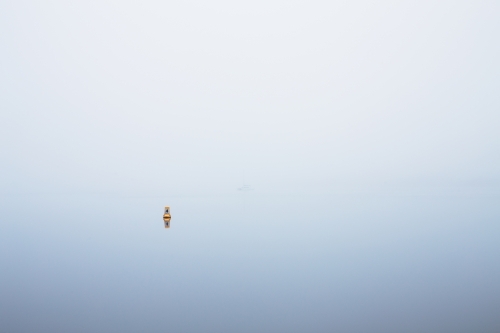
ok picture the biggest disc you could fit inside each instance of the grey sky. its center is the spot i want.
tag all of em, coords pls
(188, 95)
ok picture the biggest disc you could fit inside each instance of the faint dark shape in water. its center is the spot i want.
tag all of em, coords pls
(245, 188)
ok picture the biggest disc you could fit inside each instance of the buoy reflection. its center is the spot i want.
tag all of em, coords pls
(167, 222)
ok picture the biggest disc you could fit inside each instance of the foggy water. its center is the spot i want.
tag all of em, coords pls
(249, 262)
(374, 123)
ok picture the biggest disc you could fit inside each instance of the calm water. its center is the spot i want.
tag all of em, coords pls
(246, 262)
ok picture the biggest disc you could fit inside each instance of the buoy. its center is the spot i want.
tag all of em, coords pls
(166, 213)
(167, 222)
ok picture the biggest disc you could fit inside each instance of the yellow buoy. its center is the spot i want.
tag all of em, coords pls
(166, 213)
(167, 222)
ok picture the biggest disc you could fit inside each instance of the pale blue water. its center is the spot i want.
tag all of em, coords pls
(247, 262)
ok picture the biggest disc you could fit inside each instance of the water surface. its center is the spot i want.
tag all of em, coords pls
(249, 262)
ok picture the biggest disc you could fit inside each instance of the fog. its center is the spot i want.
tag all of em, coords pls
(189, 96)
(368, 117)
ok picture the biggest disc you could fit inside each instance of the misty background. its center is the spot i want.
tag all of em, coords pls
(367, 130)
(181, 97)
